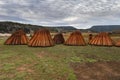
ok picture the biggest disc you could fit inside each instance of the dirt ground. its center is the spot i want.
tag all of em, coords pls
(97, 70)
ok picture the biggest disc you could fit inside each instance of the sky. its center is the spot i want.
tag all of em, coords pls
(81, 14)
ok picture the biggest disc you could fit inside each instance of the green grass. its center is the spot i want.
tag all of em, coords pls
(20, 62)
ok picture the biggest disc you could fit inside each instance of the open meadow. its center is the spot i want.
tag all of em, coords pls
(60, 62)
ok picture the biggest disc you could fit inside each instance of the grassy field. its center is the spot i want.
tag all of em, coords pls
(20, 62)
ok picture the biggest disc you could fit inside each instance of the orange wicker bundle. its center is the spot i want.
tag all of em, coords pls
(17, 38)
(41, 38)
(58, 38)
(75, 39)
(102, 39)
(118, 43)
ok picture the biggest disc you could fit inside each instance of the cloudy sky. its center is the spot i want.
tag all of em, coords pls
(77, 13)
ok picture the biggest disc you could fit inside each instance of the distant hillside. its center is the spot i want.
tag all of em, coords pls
(9, 27)
(62, 28)
(105, 28)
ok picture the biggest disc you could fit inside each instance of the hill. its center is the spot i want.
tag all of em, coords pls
(9, 27)
(61, 28)
(105, 28)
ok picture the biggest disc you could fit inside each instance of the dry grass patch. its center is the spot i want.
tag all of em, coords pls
(25, 68)
(41, 54)
(97, 70)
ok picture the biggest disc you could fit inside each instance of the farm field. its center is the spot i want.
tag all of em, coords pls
(60, 62)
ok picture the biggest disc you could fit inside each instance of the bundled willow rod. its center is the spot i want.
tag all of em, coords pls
(41, 38)
(118, 43)
(17, 38)
(102, 39)
(75, 39)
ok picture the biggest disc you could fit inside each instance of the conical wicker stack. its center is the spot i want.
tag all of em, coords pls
(102, 39)
(41, 38)
(58, 38)
(17, 38)
(118, 44)
(75, 39)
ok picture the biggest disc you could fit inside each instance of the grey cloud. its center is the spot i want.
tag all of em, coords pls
(79, 13)
(8, 18)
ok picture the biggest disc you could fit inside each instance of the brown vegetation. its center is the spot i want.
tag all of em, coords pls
(58, 38)
(90, 37)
